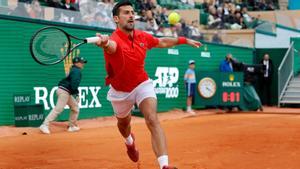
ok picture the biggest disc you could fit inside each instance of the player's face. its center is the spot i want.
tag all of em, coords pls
(125, 19)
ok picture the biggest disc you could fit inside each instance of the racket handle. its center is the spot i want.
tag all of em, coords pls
(92, 39)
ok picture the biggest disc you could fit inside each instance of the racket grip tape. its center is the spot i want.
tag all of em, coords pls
(92, 39)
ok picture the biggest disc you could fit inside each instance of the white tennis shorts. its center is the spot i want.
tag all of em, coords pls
(123, 102)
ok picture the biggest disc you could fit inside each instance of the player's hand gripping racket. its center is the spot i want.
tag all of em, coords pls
(51, 45)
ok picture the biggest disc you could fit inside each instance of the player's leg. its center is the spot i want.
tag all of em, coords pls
(147, 102)
(62, 99)
(122, 106)
(148, 108)
(124, 126)
(74, 113)
(158, 138)
(122, 111)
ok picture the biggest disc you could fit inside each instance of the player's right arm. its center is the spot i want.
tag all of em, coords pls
(108, 45)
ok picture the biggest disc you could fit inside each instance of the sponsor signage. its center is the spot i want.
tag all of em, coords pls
(166, 82)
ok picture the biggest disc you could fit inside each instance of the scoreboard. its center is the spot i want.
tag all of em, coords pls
(219, 89)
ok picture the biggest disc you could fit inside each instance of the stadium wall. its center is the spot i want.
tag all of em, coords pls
(280, 40)
(20, 74)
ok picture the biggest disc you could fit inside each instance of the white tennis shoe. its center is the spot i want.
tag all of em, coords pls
(44, 129)
(73, 129)
(191, 112)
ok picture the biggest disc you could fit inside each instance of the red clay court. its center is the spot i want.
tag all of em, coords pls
(209, 140)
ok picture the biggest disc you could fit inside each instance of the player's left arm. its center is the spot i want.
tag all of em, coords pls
(167, 42)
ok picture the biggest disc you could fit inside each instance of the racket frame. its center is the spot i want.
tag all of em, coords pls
(69, 49)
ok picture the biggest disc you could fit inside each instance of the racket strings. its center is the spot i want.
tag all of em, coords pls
(50, 45)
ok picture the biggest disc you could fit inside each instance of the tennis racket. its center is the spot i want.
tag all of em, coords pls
(51, 45)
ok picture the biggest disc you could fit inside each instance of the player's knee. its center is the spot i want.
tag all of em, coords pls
(152, 121)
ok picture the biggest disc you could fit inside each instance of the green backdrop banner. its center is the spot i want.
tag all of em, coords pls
(20, 74)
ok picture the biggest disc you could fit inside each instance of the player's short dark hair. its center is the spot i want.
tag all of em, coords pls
(116, 10)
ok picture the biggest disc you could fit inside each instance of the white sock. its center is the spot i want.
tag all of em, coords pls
(163, 161)
(129, 140)
(189, 108)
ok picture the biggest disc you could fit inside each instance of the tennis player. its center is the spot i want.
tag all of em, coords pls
(125, 53)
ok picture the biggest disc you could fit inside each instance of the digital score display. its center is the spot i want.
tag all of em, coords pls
(231, 97)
